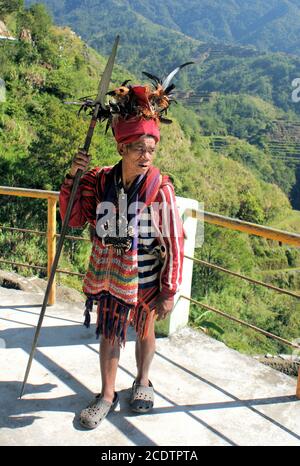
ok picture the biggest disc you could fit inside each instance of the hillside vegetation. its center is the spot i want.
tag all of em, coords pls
(271, 25)
(247, 90)
(149, 30)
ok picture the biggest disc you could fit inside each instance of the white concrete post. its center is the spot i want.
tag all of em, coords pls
(180, 315)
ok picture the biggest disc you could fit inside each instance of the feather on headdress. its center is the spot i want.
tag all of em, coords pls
(137, 109)
(149, 102)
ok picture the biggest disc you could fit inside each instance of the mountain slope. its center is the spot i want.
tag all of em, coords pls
(272, 25)
(147, 46)
(228, 71)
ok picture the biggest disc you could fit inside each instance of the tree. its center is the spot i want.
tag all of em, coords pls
(9, 6)
(37, 20)
(250, 209)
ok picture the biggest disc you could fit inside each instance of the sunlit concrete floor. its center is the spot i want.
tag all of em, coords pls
(205, 393)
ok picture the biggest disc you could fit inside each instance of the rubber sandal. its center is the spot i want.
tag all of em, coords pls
(96, 411)
(142, 398)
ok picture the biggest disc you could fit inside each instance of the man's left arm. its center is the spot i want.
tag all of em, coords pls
(173, 240)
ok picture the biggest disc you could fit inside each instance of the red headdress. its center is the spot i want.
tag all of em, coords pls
(127, 131)
(137, 110)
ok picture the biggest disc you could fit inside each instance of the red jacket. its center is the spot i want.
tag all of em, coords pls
(84, 211)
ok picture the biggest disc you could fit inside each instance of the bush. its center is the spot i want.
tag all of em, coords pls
(10, 6)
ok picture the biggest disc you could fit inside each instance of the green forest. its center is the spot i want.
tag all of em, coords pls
(268, 26)
(224, 148)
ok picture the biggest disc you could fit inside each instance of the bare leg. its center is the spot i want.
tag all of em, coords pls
(109, 359)
(144, 352)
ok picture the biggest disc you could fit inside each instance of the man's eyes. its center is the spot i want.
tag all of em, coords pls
(144, 149)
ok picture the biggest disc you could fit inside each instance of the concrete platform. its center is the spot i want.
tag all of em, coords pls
(206, 393)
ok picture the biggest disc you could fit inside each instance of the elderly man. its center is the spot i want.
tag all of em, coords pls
(135, 266)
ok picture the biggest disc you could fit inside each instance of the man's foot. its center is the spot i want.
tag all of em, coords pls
(96, 411)
(142, 398)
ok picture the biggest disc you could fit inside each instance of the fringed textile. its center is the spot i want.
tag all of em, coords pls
(115, 316)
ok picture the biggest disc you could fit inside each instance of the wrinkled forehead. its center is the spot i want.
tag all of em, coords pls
(145, 139)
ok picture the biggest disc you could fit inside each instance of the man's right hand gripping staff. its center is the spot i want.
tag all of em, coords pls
(84, 207)
(80, 162)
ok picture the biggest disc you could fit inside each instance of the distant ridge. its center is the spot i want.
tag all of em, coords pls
(270, 26)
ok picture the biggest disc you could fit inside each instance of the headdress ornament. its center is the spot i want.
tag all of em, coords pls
(134, 110)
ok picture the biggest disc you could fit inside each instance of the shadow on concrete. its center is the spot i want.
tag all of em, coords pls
(237, 402)
(13, 416)
(60, 335)
(14, 411)
(49, 316)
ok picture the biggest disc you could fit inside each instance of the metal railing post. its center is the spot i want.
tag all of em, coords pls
(51, 245)
(298, 385)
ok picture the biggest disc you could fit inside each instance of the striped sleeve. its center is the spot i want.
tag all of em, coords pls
(84, 207)
(172, 238)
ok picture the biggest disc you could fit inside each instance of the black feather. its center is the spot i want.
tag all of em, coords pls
(187, 63)
(166, 121)
(115, 107)
(151, 76)
(87, 97)
(169, 88)
(107, 126)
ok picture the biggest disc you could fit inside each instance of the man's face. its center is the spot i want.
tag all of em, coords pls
(138, 156)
